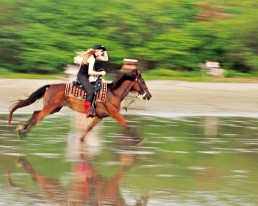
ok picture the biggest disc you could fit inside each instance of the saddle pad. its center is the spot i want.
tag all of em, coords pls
(72, 91)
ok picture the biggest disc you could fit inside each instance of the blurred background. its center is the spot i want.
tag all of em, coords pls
(41, 36)
(200, 138)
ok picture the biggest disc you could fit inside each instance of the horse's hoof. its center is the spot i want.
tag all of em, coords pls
(82, 139)
(138, 141)
(23, 133)
(19, 127)
(20, 162)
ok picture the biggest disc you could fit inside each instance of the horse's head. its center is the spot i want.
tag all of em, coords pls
(133, 82)
(140, 85)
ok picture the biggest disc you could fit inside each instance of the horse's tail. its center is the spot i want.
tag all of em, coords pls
(25, 102)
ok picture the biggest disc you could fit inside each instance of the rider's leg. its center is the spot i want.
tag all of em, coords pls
(89, 96)
(88, 102)
(87, 105)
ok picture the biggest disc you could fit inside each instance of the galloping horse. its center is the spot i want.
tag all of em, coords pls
(54, 99)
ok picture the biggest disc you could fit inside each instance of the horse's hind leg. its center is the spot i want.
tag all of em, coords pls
(36, 117)
(31, 119)
(48, 109)
(23, 129)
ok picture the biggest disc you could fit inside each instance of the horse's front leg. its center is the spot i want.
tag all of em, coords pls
(93, 123)
(127, 131)
(120, 119)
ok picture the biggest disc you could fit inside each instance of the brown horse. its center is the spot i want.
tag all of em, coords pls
(54, 99)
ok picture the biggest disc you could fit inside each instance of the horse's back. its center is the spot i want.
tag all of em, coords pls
(55, 92)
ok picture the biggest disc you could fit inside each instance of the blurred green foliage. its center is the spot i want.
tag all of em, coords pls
(40, 36)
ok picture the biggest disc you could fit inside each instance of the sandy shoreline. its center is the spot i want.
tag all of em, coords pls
(170, 98)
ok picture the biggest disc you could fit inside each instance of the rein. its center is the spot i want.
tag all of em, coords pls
(134, 99)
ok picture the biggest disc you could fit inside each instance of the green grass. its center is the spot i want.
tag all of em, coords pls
(4, 73)
(165, 74)
(157, 74)
(195, 76)
(232, 74)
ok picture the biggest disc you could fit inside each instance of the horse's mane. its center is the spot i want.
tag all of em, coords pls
(121, 77)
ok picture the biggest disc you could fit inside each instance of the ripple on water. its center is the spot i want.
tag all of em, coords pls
(174, 151)
(251, 142)
(112, 163)
(152, 134)
(47, 155)
(229, 134)
(165, 175)
(210, 152)
(158, 165)
(171, 138)
(133, 152)
(243, 150)
(13, 154)
(240, 171)
(198, 168)
(8, 147)
(190, 179)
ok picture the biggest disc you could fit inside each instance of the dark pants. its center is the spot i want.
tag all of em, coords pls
(87, 86)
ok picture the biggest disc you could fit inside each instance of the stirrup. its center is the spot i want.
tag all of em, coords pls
(91, 112)
(91, 115)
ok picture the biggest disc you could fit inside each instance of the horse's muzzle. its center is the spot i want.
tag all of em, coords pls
(147, 96)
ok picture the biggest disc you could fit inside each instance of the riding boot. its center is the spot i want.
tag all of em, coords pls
(87, 106)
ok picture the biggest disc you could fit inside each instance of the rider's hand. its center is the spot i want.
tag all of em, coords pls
(102, 73)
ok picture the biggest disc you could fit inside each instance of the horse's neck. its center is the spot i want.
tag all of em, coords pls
(123, 90)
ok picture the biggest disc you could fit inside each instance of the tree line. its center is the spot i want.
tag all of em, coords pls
(41, 36)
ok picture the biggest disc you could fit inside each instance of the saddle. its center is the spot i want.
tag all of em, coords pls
(96, 85)
(76, 90)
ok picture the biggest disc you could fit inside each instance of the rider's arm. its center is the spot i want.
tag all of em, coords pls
(91, 61)
(104, 57)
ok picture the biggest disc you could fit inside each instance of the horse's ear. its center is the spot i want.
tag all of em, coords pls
(132, 73)
(135, 72)
(138, 72)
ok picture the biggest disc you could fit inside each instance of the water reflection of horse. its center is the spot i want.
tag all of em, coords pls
(88, 186)
(54, 99)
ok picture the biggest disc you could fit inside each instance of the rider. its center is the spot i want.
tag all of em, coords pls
(87, 74)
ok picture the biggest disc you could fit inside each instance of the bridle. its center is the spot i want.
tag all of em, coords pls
(136, 80)
(139, 83)
(137, 96)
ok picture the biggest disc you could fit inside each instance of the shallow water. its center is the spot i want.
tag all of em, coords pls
(181, 161)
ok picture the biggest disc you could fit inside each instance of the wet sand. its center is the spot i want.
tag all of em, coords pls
(170, 98)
